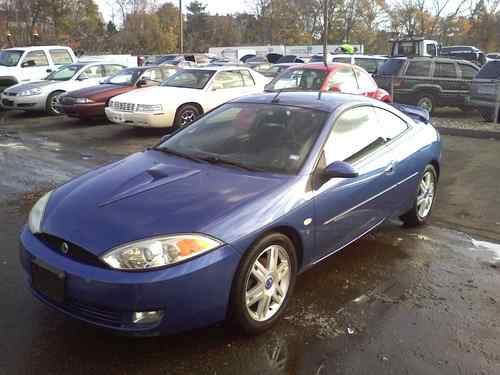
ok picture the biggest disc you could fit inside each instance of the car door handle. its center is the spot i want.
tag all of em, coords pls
(390, 168)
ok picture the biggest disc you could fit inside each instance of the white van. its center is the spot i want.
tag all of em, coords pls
(24, 64)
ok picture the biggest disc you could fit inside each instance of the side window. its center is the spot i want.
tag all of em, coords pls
(468, 72)
(228, 80)
(36, 58)
(370, 65)
(390, 124)
(354, 135)
(345, 60)
(156, 75)
(247, 78)
(431, 50)
(419, 69)
(167, 72)
(365, 81)
(344, 80)
(60, 56)
(94, 71)
(445, 70)
(110, 70)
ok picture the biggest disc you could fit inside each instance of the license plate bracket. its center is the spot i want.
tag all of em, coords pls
(48, 281)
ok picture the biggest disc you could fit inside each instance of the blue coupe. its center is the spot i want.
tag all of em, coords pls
(217, 220)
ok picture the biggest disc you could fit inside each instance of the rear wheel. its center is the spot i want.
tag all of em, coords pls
(424, 200)
(51, 103)
(186, 115)
(487, 114)
(263, 283)
(426, 101)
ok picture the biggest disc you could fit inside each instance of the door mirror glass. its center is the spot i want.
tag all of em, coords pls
(28, 63)
(340, 169)
(83, 77)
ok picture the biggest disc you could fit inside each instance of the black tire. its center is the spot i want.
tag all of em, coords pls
(49, 106)
(487, 114)
(238, 313)
(413, 217)
(426, 101)
(184, 113)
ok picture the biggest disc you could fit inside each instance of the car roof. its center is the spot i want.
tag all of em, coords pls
(31, 48)
(359, 55)
(217, 68)
(327, 102)
(322, 66)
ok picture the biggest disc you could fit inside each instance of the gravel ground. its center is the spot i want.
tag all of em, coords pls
(452, 118)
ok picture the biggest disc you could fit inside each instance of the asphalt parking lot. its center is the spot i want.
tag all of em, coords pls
(399, 301)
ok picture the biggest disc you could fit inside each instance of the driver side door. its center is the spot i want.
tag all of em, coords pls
(225, 86)
(34, 66)
(346, 208)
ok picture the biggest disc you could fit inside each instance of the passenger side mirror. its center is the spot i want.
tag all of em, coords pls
(28, 63)
(83, 77)
(340, 169)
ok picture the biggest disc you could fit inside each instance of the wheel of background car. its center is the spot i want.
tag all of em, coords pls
(263, 283)
(424, 199)
(426, 101)
(51, 103)
(185, 115)
(487, 114)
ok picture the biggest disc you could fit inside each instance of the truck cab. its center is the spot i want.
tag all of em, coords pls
(413, 47)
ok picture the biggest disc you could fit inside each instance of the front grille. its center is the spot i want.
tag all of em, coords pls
(123, 107)
(74, 252)
(11, 93)
(95, 313)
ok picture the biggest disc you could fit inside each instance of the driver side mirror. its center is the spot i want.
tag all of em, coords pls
(340, 169)
(28, 63)
(143, 82)
(83, 77)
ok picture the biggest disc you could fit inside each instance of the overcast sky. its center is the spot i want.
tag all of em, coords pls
(213, 6)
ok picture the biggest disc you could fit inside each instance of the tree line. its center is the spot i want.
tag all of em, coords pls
(144, 27)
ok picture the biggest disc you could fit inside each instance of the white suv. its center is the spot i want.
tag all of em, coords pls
(24, 64)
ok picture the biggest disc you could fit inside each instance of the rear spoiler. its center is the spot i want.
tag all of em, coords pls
(414, 112)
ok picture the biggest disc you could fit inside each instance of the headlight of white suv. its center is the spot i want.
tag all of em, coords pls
(159, 252)
(30, 92)
(149, 107)
(37, 212)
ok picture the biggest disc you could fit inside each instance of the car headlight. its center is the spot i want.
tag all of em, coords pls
(37, 212)
(159, 252)
(83, 100)
(34, 91)
(149, 107)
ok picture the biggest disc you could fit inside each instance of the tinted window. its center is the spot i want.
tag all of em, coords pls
(490, 71)
(343, 80)
(273, 138)
(190, 78)
(355, 134)
(391, 67)
(418, 68)
(228, 80)
(431, 50)
(64, 73)
(60, 56)
(10, 58)
(468, 72)
(301, 79)
(38, 57)
(445, 70)
(247, 78)
(365, 81)
(370, 65)
(391, 125)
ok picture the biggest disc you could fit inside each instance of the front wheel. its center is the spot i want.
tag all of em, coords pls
(186, 115)
(263, 283)
(51, 106)
(424, 200)
(426, 101)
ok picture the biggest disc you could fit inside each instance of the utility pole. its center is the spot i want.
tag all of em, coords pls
(325, 32)
(181, 32)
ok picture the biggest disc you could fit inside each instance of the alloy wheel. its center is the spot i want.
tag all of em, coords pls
(267, 283)
(187, 117)
(53, 104)
(426, 103)
(426, 193)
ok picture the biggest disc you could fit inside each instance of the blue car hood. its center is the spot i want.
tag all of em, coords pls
(150, 194)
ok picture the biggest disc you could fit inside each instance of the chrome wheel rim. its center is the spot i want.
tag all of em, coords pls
(425, 103)
(53, 102)
(426, 193)
(267, 283)
(187, 117)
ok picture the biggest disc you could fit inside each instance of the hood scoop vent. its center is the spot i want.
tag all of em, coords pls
(156, 176)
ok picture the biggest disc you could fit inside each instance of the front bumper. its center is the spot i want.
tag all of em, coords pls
(90, 110)
(25, 103)
(192, 294)
(146, 120)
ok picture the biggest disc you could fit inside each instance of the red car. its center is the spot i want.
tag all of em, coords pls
(336, 77)
(89, 103)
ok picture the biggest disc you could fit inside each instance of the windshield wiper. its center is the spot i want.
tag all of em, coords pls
(178, 153)
(212, 159)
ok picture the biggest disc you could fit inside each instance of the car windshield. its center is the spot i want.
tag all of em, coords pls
(125, 77)
(10, 58)
(65, 73)
(190, 79)
(298, 79)
(390, 67)
(490, 71)
(271, 138)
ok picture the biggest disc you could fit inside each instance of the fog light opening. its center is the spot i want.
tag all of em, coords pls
(147, 317)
